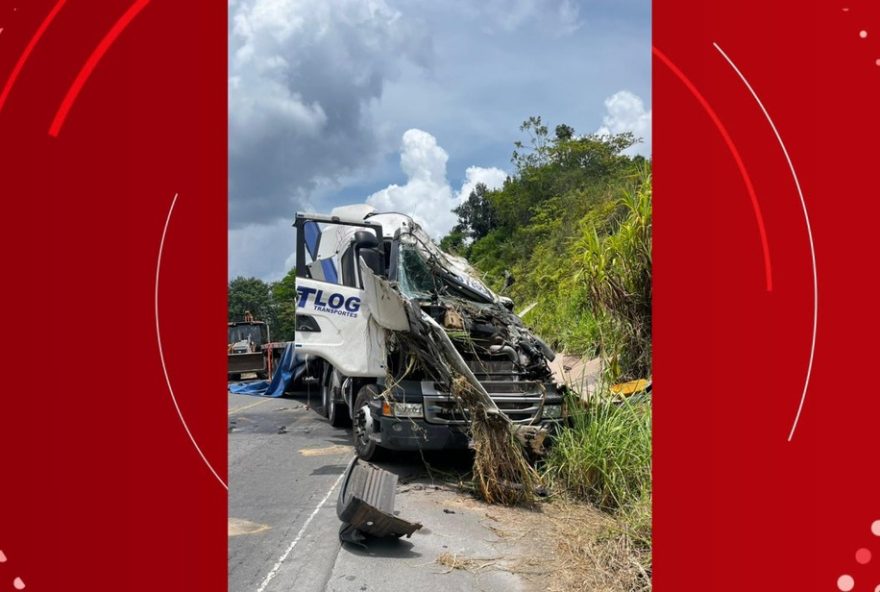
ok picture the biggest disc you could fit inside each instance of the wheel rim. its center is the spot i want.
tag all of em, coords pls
(360, 427)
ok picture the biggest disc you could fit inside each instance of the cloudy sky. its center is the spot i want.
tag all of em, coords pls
(407, 104)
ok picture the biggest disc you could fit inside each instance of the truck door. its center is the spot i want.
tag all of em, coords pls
(332, 319)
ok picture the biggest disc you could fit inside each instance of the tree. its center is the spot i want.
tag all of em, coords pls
(249, 294)
(476, 216)
(284, 305)
(567, 226)
(454, 242)
(564, 132)
(538, 139)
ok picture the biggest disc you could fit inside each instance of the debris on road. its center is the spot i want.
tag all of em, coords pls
(366, 505)
(453, 561)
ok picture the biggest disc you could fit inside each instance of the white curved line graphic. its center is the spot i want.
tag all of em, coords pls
(809, 234)
(162, 353)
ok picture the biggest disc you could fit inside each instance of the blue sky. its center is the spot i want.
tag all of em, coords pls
(408, 103)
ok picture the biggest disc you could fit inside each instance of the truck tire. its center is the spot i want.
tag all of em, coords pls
(366, 448)
(336, 413)
(325, 389)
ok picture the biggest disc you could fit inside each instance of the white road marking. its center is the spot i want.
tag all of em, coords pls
(274, 571)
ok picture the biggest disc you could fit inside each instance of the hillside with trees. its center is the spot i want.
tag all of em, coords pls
(570, 231)
(568, 238)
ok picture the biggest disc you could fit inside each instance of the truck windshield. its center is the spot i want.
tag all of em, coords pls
(414, 276)
(255, 333)
(417, 279)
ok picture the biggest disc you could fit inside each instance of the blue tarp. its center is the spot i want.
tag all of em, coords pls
(289, 369)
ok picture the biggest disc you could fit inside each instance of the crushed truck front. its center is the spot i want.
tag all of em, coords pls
(408, 405)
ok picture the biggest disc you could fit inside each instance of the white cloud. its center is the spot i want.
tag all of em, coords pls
(427, 195)
(303, 76)
(491, 177)
(625, 112)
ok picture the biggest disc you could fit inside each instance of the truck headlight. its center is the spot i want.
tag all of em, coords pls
(402, 409)
(552, 411)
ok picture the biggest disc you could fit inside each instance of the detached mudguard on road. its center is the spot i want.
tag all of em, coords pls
(366, 504)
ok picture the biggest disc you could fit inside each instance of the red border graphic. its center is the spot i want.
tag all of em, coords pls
(737, 504)
(91, 63)
(16, 70)
(102, 488)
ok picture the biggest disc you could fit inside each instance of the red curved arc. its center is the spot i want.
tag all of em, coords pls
(91, 63)
(23, 58)
(736, 157)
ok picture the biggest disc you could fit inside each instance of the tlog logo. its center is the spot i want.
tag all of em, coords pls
(334, 303)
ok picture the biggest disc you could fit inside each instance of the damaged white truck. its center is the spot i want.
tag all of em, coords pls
(388, 322)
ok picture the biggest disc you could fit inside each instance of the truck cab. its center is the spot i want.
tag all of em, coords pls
(355, 269)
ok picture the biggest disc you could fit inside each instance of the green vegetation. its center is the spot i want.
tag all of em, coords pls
(274, 303)
(570, 231)
(605, 456)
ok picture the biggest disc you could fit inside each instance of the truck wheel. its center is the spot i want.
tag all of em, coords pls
(366, 448)
(325, 390)
(336, 413)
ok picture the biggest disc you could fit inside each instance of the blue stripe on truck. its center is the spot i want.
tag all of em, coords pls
(329, 271)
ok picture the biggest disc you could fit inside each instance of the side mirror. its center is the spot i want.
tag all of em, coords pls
(364, 239)
(506, 302)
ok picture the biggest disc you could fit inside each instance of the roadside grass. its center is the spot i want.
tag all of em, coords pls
(584, 256)
(604, 458)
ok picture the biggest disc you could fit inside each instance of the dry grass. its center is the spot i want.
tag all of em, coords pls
(502, 473)
(564, 546)
(596, 560)
(471, 564)
(522, 566)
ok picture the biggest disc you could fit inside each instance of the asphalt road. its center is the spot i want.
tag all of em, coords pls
(285, 464)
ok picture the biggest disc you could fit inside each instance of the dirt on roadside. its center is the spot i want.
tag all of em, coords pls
(560, 546)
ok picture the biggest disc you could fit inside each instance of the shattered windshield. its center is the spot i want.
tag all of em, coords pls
(414, 276)
(417, 279)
